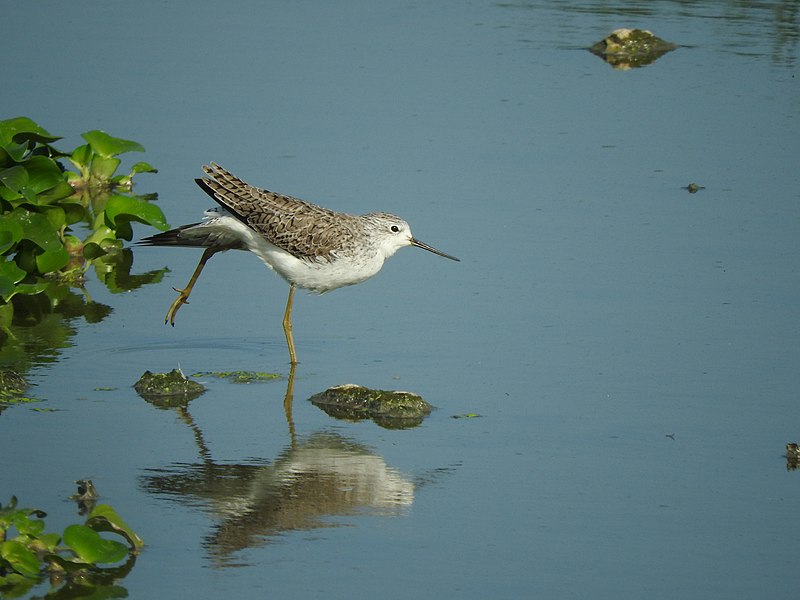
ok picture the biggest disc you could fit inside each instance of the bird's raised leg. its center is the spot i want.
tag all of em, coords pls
(287, 326)
(183, 295)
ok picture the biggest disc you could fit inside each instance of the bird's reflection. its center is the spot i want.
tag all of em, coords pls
(311, 482)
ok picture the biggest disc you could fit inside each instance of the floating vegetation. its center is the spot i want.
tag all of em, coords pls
(71, 561)
(240, 376)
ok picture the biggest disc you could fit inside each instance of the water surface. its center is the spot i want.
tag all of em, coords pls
(631, 348)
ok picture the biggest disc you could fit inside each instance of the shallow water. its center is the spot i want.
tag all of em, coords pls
(631, 349)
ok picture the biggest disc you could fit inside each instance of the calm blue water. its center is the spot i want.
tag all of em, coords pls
(632, 349)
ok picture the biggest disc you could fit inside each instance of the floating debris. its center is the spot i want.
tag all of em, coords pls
(389, 409)
(467, 416)
(86, 496)
(693, 188)
(173, 385)
(631, 48)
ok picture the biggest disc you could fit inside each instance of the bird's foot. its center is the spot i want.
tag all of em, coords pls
(183, 298)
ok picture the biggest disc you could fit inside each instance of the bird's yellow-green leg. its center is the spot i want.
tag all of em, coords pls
(183, 295)
(287, 325)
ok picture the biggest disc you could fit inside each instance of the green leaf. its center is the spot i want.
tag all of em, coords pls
(44, 173)
(93, 250)
(27, 289)
(143, 167)
(26, 525)
(21, 559)
(108, 146)
(81, 156)
(51, 261)
(60, 191)
(89, 547)
(11, 153)
(104, 167)
(36, 228)
(11, 271)
(105, 518)
(10, 233)
(122, 209)
(17, 180)
(21, 129)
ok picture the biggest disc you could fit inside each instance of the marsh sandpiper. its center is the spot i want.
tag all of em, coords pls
(309, 246)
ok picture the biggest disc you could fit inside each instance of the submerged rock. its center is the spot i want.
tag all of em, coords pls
(629, 48)
(168, 386)
(389, 409)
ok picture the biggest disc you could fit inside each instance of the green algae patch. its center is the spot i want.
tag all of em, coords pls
(173, 385)
(389, 409)
(631, 48)
(240, 376)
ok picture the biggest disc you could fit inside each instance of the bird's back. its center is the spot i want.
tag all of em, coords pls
(303, 229)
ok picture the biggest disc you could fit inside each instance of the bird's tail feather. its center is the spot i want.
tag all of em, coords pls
(173, 238)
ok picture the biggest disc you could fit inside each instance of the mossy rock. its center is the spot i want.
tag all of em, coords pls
(389, 409)
(629, 48)
(169, 387)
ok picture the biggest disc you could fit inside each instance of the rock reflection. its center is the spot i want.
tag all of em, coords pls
(312, 482)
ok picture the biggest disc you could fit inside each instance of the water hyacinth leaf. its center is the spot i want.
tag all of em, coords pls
(108, 146)
(10, 270)
(36, 228)
(12, 228)
(105, 518)
(92, 250)
(28, 289)
(58, 192)
(26, 525)
(43, 173)
(16, 179)
(21, 129)
(143, 167)
(8, 288)
(21, 559)
(56, 216)
(11, 153)
(122, 209)
(89, 547)
(104, 167)
(81, 156)
(51, 261)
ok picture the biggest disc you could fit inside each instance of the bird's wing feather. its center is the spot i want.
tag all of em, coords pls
(303, 229)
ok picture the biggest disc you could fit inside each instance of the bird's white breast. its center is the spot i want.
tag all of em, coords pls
(318, 276)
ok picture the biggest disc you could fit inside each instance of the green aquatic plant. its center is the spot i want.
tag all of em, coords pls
(240, 376)
(72, 561)
(43, 206)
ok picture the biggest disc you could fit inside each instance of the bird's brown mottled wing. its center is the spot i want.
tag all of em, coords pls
(303, 229)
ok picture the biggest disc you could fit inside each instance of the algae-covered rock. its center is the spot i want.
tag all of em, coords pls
(629, 48)
(389, 409)
(168, 386)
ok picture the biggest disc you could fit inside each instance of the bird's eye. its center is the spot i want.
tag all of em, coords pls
(394, 228)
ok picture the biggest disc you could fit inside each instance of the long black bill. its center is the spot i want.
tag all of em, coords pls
(424, 246)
